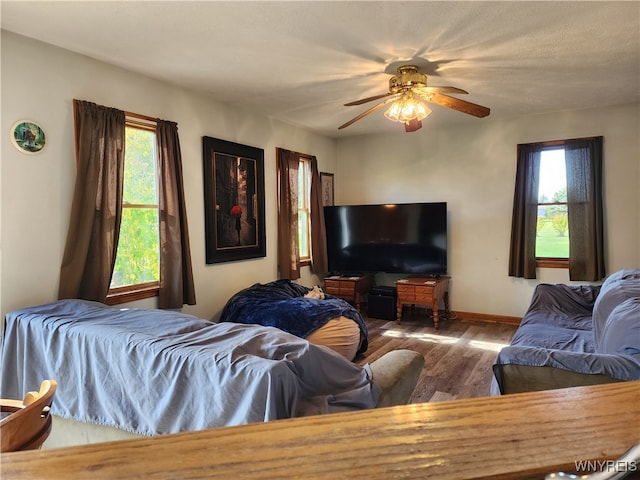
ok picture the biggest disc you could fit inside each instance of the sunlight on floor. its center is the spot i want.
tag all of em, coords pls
(425, 337)
(492, 346)
(445, 340)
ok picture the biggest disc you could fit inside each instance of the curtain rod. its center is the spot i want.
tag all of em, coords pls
(128, 114)
(306, 155)
(141, 117)
(554, 143)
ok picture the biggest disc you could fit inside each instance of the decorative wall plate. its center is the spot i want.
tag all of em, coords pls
(28, 137)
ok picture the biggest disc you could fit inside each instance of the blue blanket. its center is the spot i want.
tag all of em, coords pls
(557, 331)
(282, 304)
(158, 371)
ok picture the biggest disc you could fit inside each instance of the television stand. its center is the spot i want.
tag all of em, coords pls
(423, 291)
(349, 288)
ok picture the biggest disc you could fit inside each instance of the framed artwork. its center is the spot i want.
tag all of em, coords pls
(28, 137)
(233, 201)
(326, 179)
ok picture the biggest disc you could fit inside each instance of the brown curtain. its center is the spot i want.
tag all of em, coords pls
(176, 275)
(92, 238)
(522, 255)
(319, 262)
(584, 205)
(288, 254)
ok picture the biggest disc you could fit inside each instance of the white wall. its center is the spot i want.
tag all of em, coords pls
(39, 82)
(473, 169)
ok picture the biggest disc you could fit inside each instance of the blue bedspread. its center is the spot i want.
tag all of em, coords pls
(282, 304)
(154, 371)
(557, 331)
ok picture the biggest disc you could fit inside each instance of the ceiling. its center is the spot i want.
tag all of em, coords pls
(299, 62)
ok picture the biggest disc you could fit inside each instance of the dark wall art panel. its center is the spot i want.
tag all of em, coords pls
(233, 201)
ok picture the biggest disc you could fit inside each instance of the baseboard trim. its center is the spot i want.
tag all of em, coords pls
(487, 317)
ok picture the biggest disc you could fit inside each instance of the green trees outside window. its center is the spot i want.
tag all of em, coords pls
(304, 217)
(552, 240)
(137, 258)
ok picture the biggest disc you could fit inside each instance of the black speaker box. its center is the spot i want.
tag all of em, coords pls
(382, 303)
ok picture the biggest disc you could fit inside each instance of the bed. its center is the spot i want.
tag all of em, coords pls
(320, 318)
(150, 372)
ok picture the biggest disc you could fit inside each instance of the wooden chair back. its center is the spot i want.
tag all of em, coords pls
(29, 423)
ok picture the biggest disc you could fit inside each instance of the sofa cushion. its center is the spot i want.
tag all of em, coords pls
(621, 332)
(617, 288)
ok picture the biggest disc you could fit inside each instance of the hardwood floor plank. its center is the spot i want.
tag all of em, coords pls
(458, 356)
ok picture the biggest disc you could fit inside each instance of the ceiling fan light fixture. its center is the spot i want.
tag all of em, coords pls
(408, 92)
(406, 109)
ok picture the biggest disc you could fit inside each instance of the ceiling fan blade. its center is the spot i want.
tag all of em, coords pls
(460, 105)
(367, 112)
(368, 99)
(429, 90)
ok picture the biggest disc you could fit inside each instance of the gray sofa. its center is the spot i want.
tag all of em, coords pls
(573, 336)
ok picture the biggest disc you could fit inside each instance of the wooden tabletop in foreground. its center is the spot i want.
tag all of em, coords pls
(510, 437)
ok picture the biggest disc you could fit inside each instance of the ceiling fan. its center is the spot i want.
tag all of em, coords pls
(407, 92)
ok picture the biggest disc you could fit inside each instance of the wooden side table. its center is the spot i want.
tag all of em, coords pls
(423, 291)
(349, 288)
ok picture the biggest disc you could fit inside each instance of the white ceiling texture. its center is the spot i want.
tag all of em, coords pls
(299, 62)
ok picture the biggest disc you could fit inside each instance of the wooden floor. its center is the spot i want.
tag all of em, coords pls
(458, 356)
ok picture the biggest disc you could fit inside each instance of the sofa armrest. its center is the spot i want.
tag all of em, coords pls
(519, 368)
(528, 378)
(396, 373)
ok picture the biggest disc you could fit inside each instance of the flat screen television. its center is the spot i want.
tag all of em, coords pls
(408, 238)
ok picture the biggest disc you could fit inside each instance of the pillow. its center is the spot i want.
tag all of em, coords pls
(621, 332)
(617, 288)
(341, 335)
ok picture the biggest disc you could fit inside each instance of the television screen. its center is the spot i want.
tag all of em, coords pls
(393, 238)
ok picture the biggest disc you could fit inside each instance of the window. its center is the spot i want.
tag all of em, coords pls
(558, 209)
(304, 211)
(301, 231)
(137, 268)
(102, 141)
(552, 227)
